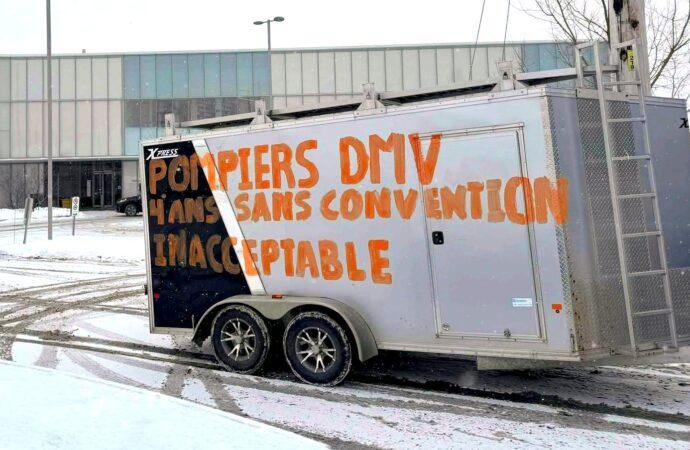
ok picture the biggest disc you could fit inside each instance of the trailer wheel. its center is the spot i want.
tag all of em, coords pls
(240, 339)
(317, 349)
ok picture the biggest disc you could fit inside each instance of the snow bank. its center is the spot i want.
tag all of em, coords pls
(99, 248)
(46, 409)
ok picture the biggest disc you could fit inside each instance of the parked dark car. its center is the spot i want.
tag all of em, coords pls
(131, 206)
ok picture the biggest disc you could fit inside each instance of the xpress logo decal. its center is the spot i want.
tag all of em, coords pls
(158, 153)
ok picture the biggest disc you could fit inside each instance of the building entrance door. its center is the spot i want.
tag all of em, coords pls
(103, 190)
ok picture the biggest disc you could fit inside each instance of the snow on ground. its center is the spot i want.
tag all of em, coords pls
(91, 319)
(46, 409)
(105, 243)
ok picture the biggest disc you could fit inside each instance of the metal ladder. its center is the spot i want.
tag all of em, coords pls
(612, 162)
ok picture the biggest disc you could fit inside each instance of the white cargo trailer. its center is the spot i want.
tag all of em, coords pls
(503, 220)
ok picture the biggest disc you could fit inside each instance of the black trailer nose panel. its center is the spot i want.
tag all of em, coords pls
(193, 262)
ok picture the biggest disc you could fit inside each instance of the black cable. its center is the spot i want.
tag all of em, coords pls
(474, 50)
(505, 32)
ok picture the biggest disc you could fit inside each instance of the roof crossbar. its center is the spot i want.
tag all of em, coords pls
(373, 99)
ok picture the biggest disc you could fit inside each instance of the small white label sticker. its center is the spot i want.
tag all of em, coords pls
(520, 302)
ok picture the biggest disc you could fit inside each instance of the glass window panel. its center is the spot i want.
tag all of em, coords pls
(260, 71)
(163, 107)
(293, 73)
(84, 129)
(4, 144)
(244, 74)
(461, 60)
(548, 54)
(343, 73)
(495, 55)
(115, 77)
(4, 130)
(18, 79)
(377, 69)
(55, 68)
(18, 131)
(479, 69)
(566, 56)
(326, 73)
(427, 65)
(35, 79)
(115, 128)
(310, 100)
(132, 131)
(180, 76)
(67, 129)
(444, 66)
(181, 110)
(212, 75)
(99, 79)
(294, 101)
(530, 61)
(410, 69)
(310, 73)
(326, 98)
(228, 74)
(278, 73)
(230, 106)
(34, 140)
(196, 75)
(148, 119)
(164, 76)
(83, 78)
(100, 127)
(4, 79)
(148, 76)
(394, 70)
(56, 130)
(67, 78)
(360, 70)
(131, 74)
(278, 102)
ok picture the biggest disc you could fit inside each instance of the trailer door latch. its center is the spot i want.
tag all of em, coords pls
(437, 237)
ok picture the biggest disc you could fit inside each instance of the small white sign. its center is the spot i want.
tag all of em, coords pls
(75, 206)
(521, 302)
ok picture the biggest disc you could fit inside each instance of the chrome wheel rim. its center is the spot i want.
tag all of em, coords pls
(315, 350)
(238, 339)
(131, 210)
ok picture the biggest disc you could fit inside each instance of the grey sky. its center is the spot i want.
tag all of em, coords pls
(150, 25)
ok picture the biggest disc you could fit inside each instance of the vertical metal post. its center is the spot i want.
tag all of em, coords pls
(49, 57)
(270, 74)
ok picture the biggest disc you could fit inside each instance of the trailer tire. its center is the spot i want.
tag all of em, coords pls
(317, 349)
(240, 339)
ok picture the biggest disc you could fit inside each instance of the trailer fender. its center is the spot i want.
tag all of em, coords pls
(277, 308)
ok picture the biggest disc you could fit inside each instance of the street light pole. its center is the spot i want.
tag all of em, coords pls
(270, 74)
(49, 58)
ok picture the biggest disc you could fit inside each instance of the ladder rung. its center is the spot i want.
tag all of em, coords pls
(622, 83)
(654, 312)
(647, 273)
(631, 157)
(642, 195)
(642, 234)
(627, 119)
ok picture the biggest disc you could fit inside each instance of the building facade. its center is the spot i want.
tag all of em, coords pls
(104, 104)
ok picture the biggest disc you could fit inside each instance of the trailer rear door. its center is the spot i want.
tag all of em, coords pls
(483, 267)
